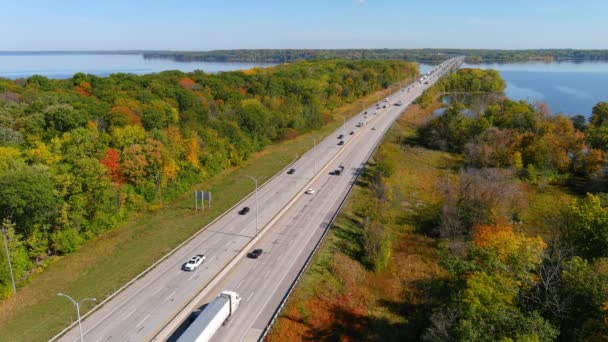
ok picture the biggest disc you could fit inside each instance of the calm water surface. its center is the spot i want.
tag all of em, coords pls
(65, 65)
(567, 87)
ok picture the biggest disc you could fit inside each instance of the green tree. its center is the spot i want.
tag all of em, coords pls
(586, 288)
(585, 223)
(18, 257)
(63, 118)
(599, 115)
(27, 197)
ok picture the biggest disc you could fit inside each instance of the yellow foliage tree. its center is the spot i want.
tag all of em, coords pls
(193, 150)
(512, 248)
(9, 157)
(41, 153)
(170, 170)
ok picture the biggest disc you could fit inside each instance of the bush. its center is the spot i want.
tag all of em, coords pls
(66, 241)
(376, 245)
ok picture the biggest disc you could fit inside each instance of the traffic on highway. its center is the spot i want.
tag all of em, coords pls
(250, 256)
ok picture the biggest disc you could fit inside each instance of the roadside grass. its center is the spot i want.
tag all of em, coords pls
(104, 264)
(542, 206)
(342, 300)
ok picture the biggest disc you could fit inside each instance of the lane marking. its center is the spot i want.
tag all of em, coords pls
(251, 295)
(241, 283)
(129, 314)
(171, 295)
(100, 339)
(157, 291)
(145, 318)
(192, 276)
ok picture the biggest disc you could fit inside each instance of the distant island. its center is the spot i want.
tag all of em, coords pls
(473, 56)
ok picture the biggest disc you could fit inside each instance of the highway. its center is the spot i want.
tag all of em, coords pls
(146, 310)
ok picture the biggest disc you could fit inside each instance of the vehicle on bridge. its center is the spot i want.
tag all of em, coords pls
(194, 262)
(254, 254)
(212, 318)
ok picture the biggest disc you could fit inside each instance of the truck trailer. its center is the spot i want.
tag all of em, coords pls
(211, 319)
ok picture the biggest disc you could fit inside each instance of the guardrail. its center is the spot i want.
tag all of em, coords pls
(318, 244)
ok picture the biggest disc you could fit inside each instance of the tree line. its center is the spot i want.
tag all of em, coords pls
(417, 55)
(77, 155)
(504, 282)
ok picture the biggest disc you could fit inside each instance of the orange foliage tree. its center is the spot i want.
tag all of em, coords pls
(512, 248)
(187, 83)
(112, 162)
(83, 89)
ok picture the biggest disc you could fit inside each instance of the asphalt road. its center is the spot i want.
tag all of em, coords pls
(140, 311)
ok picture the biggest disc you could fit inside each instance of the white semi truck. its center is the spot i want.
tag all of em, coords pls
(210, 320)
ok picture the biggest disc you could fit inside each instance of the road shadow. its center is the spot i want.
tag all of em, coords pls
(349, 240)
(424, 219)
(185, 324)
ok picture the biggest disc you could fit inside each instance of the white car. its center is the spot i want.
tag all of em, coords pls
(310, 191)
(194, 262)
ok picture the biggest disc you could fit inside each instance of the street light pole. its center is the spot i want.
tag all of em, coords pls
(8, 256)
(257, 205)
(314, 149)
(77, 305)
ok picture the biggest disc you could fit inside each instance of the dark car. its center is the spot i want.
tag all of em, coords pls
(341, 142)
(335, 172)
(365, 112)
(244, 211)
(254, 254)
(383, 106)
(340, 136)
(351, 132)
(291, 171)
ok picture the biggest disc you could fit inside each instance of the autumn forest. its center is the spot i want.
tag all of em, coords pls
(78, 155)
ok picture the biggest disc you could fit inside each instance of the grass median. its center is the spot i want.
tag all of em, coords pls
(106, 263)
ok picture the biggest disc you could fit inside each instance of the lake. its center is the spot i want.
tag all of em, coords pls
(58, 65)
(567, 87)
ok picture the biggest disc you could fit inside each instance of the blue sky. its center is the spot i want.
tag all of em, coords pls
(231, 24)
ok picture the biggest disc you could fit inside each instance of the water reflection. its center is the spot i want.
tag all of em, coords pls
(567, 87)
(475, 104)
